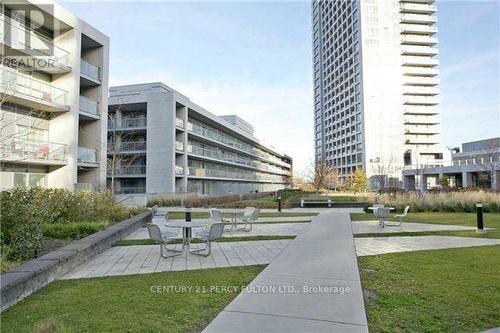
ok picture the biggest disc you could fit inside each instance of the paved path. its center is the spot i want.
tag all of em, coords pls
(380, 245)
(369, 227)
(278, 229)
(139, 259)
(322, 256)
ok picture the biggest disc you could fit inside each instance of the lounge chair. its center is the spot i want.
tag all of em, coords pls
(215, 232)
(163, 236)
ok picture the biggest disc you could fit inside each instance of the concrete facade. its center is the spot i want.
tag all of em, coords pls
(477, 165)
(53, 90)
(162, 143)
(376, 83)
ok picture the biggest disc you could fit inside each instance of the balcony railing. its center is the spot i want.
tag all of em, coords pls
(420, 71)
(17, 84)
(133, 122)
(179, 170)
(179, 122)
(131, 190)
(84, 187)
(14, 34)
(179, 146)
(133, 146)
(207, 172)
(88, 106)
(23, 149)
(130, 170)
(87, 155)
(420, 100)
(419, 29)
(89, 70)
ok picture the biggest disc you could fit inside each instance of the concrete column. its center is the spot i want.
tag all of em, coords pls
(409, 183)
(423, 182)
(495, 180)
(466, 179)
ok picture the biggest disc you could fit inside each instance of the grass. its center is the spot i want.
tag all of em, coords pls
(491, 220)
(129, 242)
(129, 303)
(453, 290)
(204, 215)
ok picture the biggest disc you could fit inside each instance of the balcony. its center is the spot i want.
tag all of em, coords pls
(418, 8)
(37, 95)
(420, 120)
(420, 61)
(127, 124)
(420, 100)
(133, 146)
(42, 54)
(131, 190)
(419, 50)
(32, 151)
(179, 171)
(87, 157)
(418, 40)
(179, 123)
(422, 140)
(129, 170)
(227, 174)
(422, 91)
(418, 29)
(179, 146)
(420, 71)
(88, 107)
(418, 19)
(420, 81)
(420, 110)
(421, 130)
(90, 74)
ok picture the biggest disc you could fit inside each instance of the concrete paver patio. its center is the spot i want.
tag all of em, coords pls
(369, 227)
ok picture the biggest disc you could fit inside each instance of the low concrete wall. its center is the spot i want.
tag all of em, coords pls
(354, 204)
(27, 278)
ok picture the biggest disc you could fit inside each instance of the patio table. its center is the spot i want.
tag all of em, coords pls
(186, 230)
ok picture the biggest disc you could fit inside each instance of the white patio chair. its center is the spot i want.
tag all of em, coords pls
(163, 236)
(250, 215)
(383, 213)
(217, 217)
(215, 232)
(400, 217)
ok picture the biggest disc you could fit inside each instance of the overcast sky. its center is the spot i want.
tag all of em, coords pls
(253, 59)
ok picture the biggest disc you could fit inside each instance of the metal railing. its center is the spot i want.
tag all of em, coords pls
(179, 122)
(131, 190)
(179, 170)
(209, 172)
(179, 146)
(24, 149)
(129, 170)
(84, 187)
(87, 155)
(87, 69)
(133, 145)
(87, 105)
(14, 83)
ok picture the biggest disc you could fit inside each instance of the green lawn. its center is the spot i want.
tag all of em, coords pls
(491, 220)
(453, 290)
(204, 215)
(128, 242)
(127, 304)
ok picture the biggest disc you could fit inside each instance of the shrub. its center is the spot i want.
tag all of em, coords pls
(73, 230)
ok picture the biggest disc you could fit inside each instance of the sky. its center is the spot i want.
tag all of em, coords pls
(253, 59)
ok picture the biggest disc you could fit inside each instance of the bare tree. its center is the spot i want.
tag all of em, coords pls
(322, 176)
(382, 169)
(489, 158)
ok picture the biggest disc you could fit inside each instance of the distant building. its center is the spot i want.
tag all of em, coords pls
(163, 143)
(478, 165)
(376, 86)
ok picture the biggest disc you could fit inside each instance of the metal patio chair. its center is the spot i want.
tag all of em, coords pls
(163, 236)
(215, 232)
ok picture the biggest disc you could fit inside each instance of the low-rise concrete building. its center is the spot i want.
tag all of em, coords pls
(53, 98)
(160, 142)
(476, 165)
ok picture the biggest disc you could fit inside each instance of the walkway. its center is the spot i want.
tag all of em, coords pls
(381, 245)
(140, 259)
(370, 227)
(311, 286)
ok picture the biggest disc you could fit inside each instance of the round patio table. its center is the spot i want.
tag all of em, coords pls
(186, 230)
(373, 208)
(234, 216)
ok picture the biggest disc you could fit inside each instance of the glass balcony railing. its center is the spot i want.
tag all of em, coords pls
(179, 146)
(87, 155)
(129, 170)
(179, 122)
(19, 149)
(88, 106)
(14, 83)
(133, 146)
(89, 70)
(226, 173)
(179, 170)
(15, 34)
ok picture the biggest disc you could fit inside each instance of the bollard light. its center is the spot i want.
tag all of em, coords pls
(279, 204)
(187, 214)
(480, 222)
